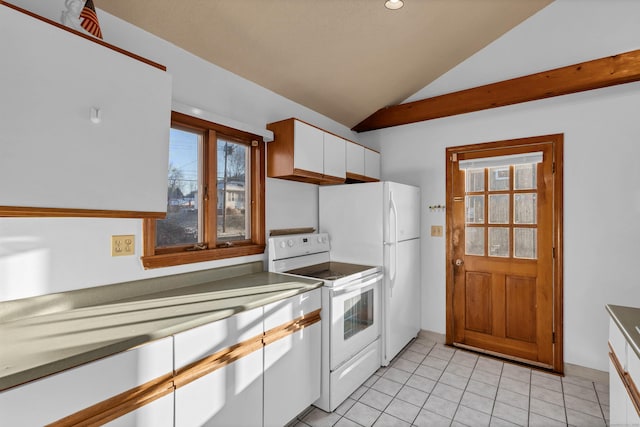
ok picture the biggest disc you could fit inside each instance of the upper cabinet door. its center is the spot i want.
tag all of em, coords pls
(355, 158)
(308, 148)
(52, 154)
(334, 156)
(371, 163)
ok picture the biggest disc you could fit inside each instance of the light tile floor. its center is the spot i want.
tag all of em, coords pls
(431, 384)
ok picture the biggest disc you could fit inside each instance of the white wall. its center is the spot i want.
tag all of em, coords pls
(601, 176)
(39, 256)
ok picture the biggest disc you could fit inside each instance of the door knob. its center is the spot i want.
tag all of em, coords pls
(458, 262)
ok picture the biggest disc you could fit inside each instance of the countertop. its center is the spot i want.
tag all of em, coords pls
(627, 319)
(42, 344)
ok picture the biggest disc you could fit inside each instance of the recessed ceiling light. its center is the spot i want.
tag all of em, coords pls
(393, 4)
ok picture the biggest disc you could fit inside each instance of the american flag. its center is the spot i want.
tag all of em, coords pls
(89, 19)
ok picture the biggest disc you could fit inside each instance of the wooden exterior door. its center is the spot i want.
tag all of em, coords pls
(504, 238)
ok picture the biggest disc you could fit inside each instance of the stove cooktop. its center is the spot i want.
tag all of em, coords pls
(331, 270)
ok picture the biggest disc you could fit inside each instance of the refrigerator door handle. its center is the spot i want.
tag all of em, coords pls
(393, 255)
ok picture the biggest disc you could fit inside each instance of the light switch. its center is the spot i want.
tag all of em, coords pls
(436, 231)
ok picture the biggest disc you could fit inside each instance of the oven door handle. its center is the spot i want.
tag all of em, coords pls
(350, 287)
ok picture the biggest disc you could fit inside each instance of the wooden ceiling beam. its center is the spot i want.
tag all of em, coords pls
(595, 74)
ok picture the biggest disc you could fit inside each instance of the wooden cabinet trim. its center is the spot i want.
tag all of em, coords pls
(363, 178)
(292, 327)
(280, 156)
(30, 211)
(119, 405)
(84, 36)
(217, 360)
(626, 379)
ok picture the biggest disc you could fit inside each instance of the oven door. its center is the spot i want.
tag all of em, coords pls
(355, 317)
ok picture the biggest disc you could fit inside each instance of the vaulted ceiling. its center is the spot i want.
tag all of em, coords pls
(342, 58)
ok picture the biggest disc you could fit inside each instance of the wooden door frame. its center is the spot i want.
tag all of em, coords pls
(558, 149)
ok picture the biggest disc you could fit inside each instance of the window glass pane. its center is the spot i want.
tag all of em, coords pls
(474, 240)
(499, 241)
(525, 243)
(524, 208)
(233, 191)
(358, 314)
(180, 227)
(499, 178)
(525, 177)
(498, 209)
(474, 209)
(474, 180)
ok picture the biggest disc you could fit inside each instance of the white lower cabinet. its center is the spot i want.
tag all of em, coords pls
(230, 395)
(258, 367)
(291, 364)
(157, 413)
(57, 396)
(622, 408)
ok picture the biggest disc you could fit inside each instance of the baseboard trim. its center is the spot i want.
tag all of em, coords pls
(569, 368)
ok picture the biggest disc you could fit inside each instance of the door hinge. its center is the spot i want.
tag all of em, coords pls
(553, 167)
(454, 157)
(553, 337)
(553, 253)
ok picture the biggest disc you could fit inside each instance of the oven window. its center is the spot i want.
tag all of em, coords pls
(358, 314)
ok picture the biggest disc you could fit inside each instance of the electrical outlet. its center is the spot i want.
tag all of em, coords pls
(123, 245)
(436, 230)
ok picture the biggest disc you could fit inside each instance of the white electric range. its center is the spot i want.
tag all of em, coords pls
(351, 320)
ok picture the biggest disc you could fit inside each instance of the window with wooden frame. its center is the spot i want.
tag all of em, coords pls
(215, 196)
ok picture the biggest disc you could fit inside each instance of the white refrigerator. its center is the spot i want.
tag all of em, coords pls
(379, 224)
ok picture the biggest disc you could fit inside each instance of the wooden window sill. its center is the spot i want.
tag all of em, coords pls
(180, 258)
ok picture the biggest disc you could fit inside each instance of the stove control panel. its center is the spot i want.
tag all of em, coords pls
(298, 245)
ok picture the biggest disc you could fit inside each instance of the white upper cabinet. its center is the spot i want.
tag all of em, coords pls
(334, 156)
(308, 153)
(56, 153)
(355, 158)
(371, 164)
(363, 164)
(302, 152)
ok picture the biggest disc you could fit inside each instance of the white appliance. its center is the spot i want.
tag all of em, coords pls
(351, 314)
(379, 224)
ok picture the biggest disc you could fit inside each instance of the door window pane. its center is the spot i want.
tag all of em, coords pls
(474, 240)
(525, 243)
(499, 241)
(358, 314)
(525, 177)
(524, 208)
(474, 180)
(498, 209)
(499, 178)
(181, 226)
(474, 209)
(233, 191)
